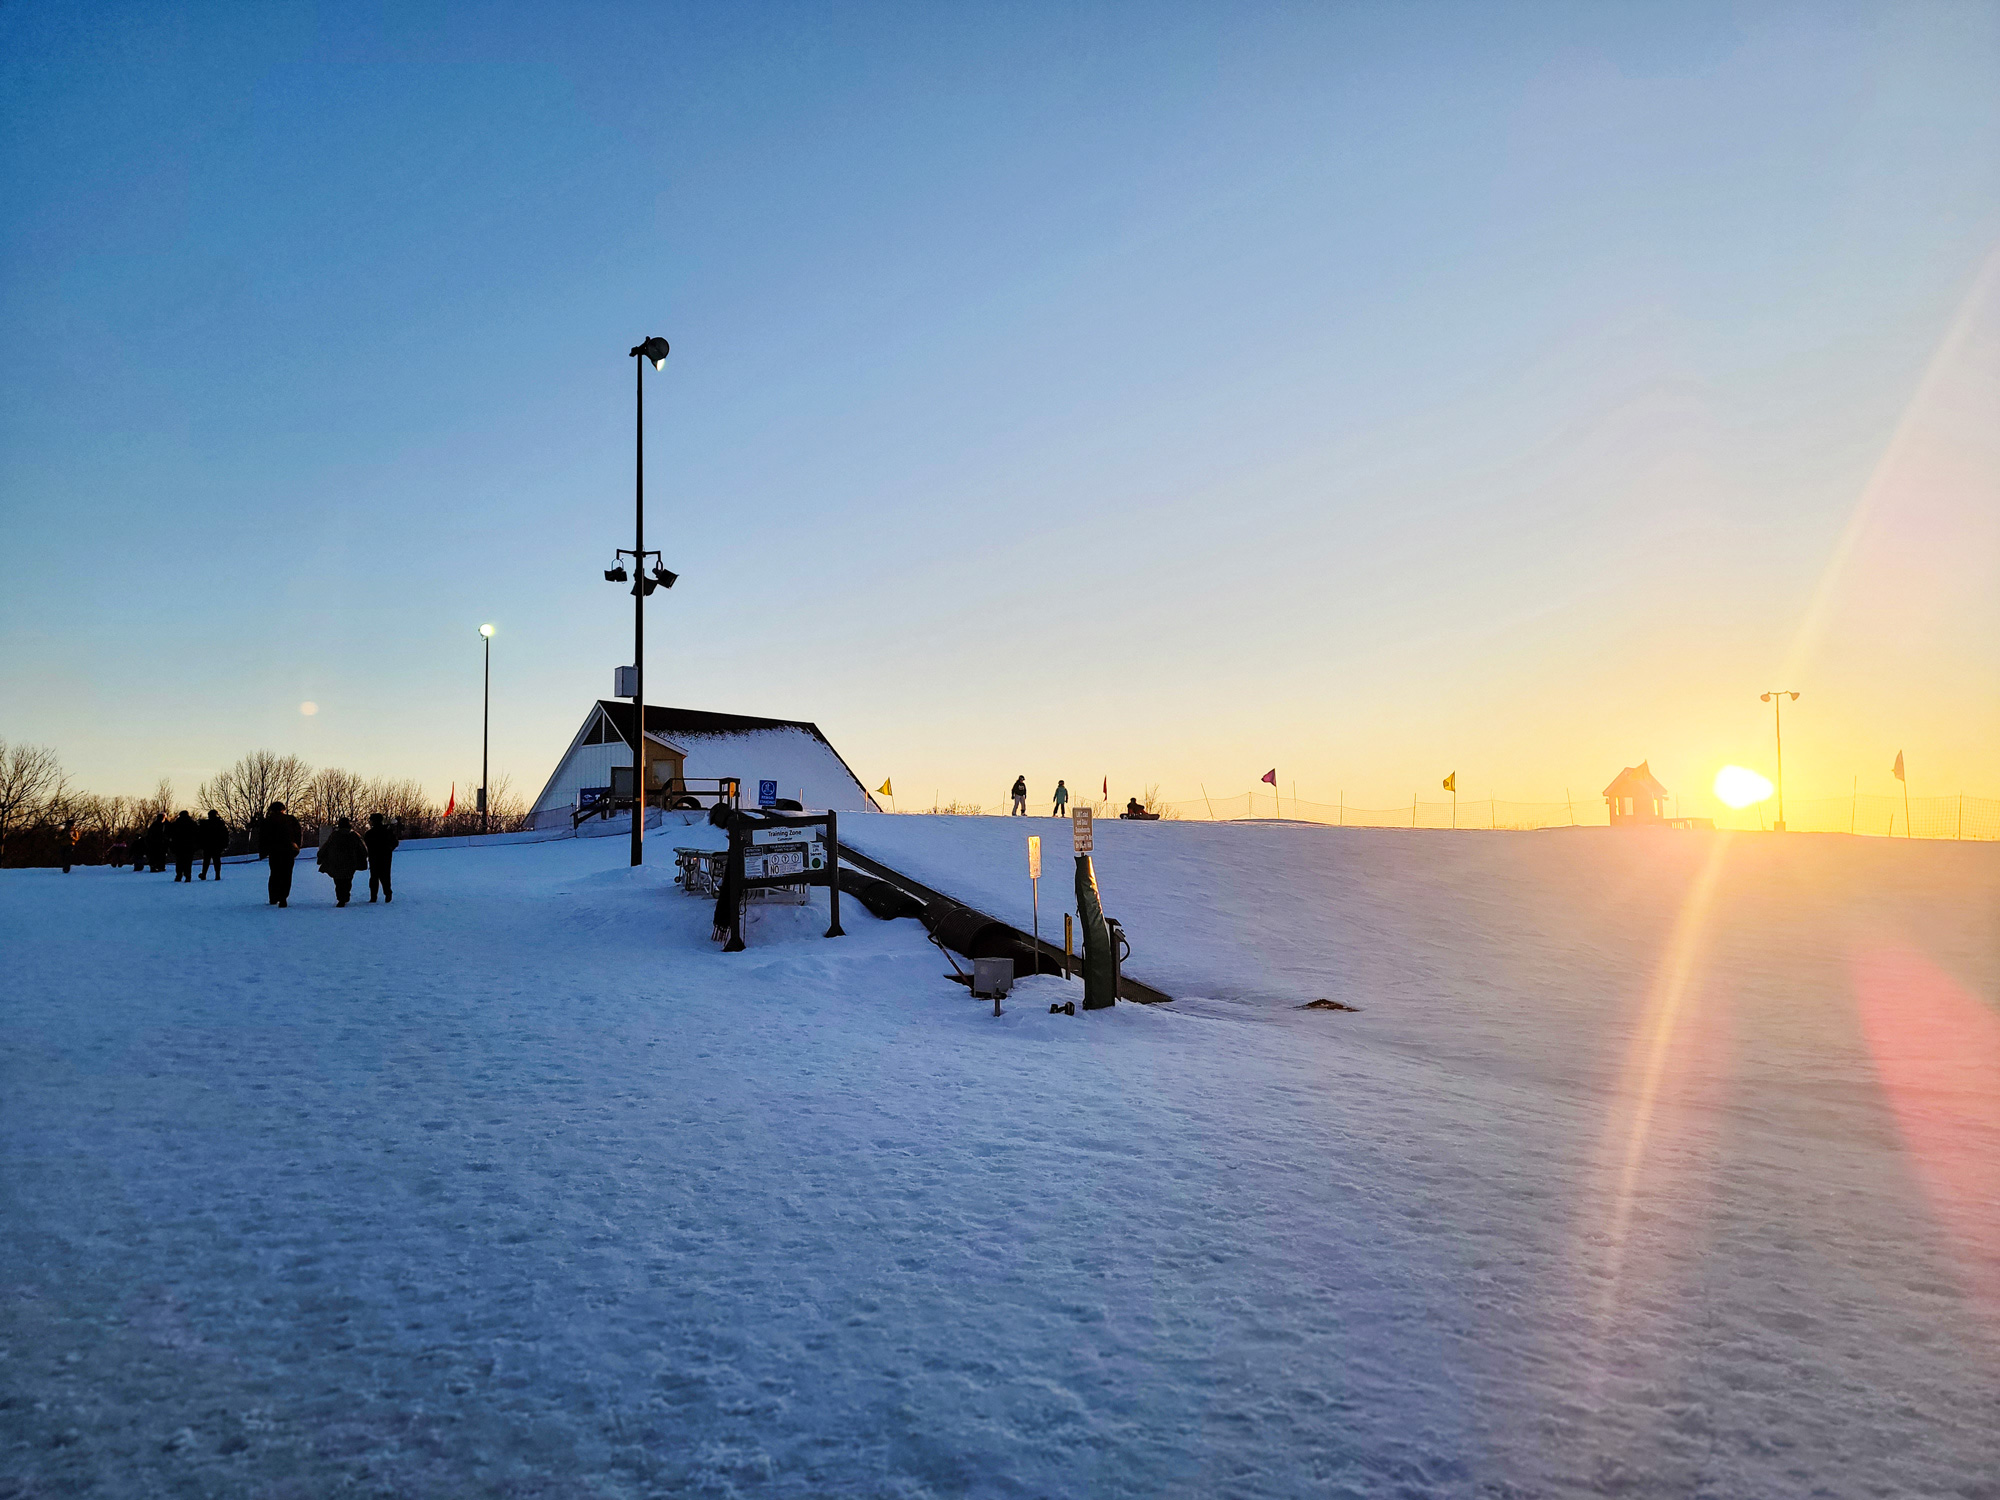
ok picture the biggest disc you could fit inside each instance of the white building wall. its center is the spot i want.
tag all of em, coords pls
(587, 765)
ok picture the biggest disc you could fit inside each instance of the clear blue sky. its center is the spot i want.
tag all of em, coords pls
(1162, 391)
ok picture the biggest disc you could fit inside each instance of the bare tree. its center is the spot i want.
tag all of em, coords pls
(1154, 803)
(332, 794)
(397, 801)
(159, 804)
(28, 774)
(256, 781)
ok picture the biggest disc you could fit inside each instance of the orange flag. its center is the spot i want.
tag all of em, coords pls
(452, 801)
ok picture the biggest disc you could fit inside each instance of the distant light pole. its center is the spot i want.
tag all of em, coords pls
(485, 729)
(655, 351)
(1776, 698)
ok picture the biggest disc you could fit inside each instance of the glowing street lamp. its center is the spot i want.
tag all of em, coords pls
(1776, 698)
(485, 728)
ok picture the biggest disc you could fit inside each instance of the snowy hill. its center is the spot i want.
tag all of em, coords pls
(1648, 1165)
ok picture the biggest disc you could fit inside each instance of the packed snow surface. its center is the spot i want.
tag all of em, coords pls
(1648, 1165)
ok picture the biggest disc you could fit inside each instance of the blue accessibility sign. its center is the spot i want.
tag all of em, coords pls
(767, 793)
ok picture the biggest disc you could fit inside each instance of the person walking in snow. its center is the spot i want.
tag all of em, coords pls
(381, 841)
(156, 843)
(340, 856)
(69, 837)
(214, 840)
(1020, 795)
(1062, 799)
(280, 838)
(183, 837)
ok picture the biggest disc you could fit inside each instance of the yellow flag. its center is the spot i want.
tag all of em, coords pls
(1451, 782)
(884, 789)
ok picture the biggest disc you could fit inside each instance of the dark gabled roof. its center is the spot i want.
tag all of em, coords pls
(672, 723)
(676, 724)
(1635, 781)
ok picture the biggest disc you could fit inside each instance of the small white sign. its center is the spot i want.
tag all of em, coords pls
(780, 835)
(1080, 829)
(1034, 856)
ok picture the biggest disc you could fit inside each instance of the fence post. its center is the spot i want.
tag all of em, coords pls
(1961, 815)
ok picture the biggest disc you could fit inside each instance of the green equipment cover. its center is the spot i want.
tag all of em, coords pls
(1100, 982)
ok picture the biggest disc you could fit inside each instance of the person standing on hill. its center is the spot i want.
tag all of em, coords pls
(281, 839)
(156, 843)
(1020, 797)
(381, 841)
(214, 841)
(340, 856)
(183, 837)
(1062, 799)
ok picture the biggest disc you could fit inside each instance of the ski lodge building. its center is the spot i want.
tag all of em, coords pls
(689, 749)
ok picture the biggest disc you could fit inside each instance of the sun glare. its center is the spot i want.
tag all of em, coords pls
(1738, 786)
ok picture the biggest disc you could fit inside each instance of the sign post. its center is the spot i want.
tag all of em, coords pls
(1035, 884)
(1079, 822)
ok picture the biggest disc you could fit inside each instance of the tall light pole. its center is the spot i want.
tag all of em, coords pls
(485, 730)
(1776, 698)
(654, 350)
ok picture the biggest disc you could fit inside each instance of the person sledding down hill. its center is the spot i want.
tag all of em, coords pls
(1135, 811)
(340, 856)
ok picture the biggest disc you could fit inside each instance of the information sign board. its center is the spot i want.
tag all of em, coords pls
(1034, 856)
(773, 860)
(767, 793)
(1080, 829)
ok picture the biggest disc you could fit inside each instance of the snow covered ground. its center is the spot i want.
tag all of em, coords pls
(1649, 1166)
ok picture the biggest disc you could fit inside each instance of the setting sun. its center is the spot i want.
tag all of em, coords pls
(1738, 786)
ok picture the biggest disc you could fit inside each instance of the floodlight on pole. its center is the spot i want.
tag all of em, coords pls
(1776, 698)
(654, 352)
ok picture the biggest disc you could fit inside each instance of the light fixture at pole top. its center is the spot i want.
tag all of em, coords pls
(486, 630)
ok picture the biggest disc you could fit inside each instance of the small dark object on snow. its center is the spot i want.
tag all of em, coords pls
(1327, 1005)
(1067, 1008)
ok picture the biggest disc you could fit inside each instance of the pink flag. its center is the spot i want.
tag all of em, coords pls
(1270, 776)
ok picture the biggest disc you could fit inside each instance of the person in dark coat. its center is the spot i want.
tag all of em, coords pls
(70, 834)
(282, 838)
(183, 839)
(381, 841)
(156, 843)
(214, 842)
(340, 856)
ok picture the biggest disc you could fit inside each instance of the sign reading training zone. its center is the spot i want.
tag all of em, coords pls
(777, 852)
(1079, 822)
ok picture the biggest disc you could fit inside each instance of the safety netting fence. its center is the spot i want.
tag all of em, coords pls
(1952, 817)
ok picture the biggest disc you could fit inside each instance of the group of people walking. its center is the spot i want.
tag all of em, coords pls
(1134, 808)
(344, 855)
(1020, 797)
(279, 838)
(182, 839)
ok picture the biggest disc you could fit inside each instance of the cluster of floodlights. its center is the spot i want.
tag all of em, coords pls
(661, 578)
